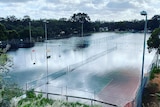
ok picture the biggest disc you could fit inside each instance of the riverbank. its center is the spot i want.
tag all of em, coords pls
(15, 44)
(152, 90)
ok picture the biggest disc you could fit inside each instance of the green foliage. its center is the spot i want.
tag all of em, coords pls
(3, 59)
(31, 94)
(24, 33)
(13, 34)
(33, 100)
(19, 28)
(8, 90)
(154, 71)
(154, 40)
(3, 33)
(80, 17)
(7, 34)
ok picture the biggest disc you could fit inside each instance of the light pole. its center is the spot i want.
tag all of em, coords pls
(159, 21)
(144, 13)
(82, 28)
(45, 28)
(30, 32)
(82, 37)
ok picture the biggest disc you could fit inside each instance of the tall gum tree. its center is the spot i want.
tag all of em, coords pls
(154, 42)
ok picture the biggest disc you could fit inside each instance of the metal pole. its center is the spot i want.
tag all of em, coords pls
(26, 86)
(144, 44)
(45, 23)
(61, 92)
(66, 90)
(30, 32)
(143, 57)
(94, 96)
(45, 29)
(82, 29)
(91, 103)
(82, 39)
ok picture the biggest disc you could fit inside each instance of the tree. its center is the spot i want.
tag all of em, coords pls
(11, 18)
(154, 40)
(26, 18)
(154, 22)
(12, 34)
(84, 19)
(8, 89)
(24, 33)
(80, 17)
(2, 32)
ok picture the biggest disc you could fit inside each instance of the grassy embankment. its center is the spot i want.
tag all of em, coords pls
(151, 93)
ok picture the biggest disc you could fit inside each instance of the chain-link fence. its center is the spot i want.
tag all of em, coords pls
(69, 98)
(146, 79)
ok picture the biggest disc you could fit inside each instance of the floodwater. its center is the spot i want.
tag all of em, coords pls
(110, 58)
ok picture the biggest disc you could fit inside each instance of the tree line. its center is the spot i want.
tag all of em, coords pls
(14, 28)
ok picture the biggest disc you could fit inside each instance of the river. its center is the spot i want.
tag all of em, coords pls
(88, 69)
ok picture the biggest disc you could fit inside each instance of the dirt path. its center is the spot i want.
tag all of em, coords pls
(156, 80)
(149, 97)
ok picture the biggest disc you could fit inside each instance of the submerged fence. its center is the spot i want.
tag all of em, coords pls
(66, 96)
(69, 98)
(64, 71)
(134, 103)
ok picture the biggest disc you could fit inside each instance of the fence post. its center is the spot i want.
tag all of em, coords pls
(47, 95)
(94, 96)
(61, 93)
(91, 102)
(66, 90)
(26, 86)
(66, 98)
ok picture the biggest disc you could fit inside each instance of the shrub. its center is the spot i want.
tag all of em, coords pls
(30, 94)
(154, 71)
(33, 100)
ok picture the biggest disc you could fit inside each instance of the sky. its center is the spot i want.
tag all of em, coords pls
(101, 10)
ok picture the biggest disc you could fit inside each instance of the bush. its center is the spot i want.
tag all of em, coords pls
(7, 92)
(31, 94)
(33, 100)
(154, 71)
